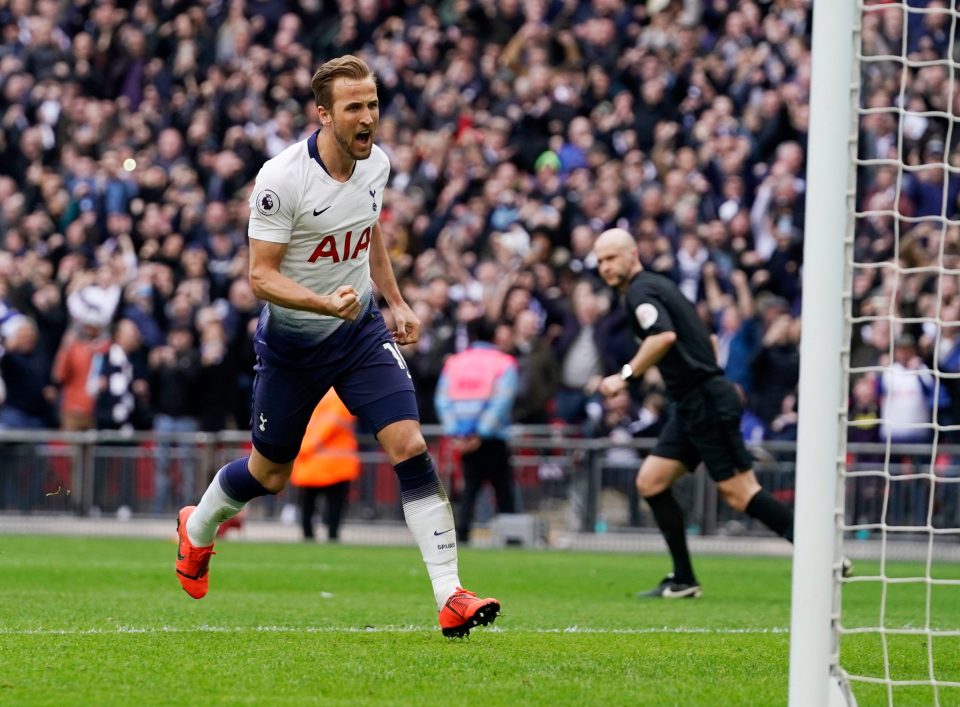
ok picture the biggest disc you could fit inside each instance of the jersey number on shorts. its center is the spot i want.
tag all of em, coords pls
(395, 352)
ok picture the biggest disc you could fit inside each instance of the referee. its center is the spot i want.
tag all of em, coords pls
(704, 419)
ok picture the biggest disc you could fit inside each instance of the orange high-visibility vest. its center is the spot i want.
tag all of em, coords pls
(328, 453)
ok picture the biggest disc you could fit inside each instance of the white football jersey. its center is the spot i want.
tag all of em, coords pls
(327, 225)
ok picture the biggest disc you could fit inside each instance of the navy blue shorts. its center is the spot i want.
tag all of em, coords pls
(359, 360)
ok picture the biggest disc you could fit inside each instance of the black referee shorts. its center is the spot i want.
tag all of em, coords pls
(704, 425)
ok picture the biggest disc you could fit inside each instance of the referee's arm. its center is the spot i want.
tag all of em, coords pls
(652, 349)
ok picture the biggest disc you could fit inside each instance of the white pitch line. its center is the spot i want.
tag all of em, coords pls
(381, 629)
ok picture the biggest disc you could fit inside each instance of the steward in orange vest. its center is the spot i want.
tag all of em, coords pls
(326, 464)
(328, 453)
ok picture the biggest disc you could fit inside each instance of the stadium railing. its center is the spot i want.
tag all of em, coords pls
(571, 483)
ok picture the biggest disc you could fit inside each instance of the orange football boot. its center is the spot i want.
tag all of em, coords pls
(192, 561)
(464, 610)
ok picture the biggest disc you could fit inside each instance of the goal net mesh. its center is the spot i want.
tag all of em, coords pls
(898, 616)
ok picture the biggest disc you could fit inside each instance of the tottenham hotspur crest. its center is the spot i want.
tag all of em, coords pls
(263, 423)
(373, 195)
(268, 203)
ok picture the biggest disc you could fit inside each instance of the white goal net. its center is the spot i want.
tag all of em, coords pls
(897, 619)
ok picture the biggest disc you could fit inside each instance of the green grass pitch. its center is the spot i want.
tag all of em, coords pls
(104, 622)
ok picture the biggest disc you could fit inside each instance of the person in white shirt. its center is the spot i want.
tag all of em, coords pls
(906, 417)
(315, 244)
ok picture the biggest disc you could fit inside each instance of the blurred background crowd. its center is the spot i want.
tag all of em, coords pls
(131, 132)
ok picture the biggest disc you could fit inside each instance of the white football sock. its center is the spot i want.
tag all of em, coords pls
(214, 508)
(430, 519)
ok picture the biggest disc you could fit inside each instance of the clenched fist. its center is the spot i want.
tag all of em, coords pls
(345, 303)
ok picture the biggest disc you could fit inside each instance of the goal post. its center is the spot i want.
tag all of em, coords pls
(880, 360)
(831, 152)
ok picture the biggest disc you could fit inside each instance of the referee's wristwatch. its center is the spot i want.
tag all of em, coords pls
(626, 373)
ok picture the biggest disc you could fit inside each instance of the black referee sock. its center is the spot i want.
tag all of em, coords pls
(669, 517)
(771, 513)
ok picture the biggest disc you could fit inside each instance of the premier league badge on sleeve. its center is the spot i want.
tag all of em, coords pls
(268, 203)
(647, 315)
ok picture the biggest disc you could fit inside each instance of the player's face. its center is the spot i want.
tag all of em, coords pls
(355, 114)
(615, 264)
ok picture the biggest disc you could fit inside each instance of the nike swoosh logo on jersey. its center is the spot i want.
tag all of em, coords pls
(317, 213)
(443, 532)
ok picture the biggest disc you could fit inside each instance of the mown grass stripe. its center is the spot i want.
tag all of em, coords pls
(380, 629)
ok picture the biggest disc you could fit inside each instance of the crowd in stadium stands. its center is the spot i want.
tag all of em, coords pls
(904, 290)
(131, 132)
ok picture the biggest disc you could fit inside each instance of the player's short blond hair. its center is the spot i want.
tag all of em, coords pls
(347, 66)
